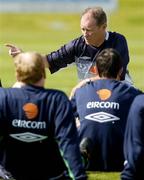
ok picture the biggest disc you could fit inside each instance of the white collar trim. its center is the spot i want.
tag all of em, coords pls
(107, 35)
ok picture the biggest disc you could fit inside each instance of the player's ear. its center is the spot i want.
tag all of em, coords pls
(104, 25)
(120, 73)
(93, 70)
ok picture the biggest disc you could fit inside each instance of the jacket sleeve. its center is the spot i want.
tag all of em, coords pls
(134, 141)
(67, 137)
(62, 57)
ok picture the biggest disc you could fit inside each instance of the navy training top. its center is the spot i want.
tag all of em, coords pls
(38, 136)
(77, 51)
(102, 107)
(134, 142)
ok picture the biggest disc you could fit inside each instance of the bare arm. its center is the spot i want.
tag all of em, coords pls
(14, 50)
(82, 83)
(79, 85)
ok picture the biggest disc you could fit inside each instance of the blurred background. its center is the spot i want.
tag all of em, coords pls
(45, 25)
(54, 5)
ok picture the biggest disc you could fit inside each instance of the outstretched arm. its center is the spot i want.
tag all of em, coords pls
(14, 50)
(82, 83)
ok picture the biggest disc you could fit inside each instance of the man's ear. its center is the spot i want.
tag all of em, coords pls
(93, 70)
(16, 76)
(120, 73)
(105, 25)
(44, 74)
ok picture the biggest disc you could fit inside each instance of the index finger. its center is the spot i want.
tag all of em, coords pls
(10, 46)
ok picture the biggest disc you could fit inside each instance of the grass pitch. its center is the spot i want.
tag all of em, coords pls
(44, 32)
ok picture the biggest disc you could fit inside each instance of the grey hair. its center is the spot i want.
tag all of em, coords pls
(97, 13)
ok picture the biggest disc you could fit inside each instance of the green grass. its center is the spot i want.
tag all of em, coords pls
(45, 32)
(103, 176)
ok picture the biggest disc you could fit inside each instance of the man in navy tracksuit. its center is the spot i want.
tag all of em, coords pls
(83, 50)
(38, 136)
(102, 106)
(134, 142)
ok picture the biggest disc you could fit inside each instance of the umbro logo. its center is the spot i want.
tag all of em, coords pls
(28, 137)
(102, 117)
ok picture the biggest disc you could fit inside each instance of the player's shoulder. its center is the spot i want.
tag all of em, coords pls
(78, 44)
(4, 93)
(4, 90)
(116, 35)
(79, 38)
(56, 93)
(129, 89)
(79, 41)
(9, 89)
(84, 87)
(139, 98)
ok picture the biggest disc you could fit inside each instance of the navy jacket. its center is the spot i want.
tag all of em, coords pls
(77, 51)
(102, 107)
(38, 136)
(134, 142)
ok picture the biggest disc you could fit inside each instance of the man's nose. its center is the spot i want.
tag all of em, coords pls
(85, 32)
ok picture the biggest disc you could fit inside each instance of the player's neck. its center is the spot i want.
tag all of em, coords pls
(99, 40)
(112, 78)
(40, 83)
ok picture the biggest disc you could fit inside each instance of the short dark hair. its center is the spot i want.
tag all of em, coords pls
(108, 63)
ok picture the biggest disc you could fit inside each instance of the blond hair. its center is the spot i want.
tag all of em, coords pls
(29, 67)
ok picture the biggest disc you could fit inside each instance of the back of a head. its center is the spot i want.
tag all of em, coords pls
(29, 67)
(109, 63)
(98, 14)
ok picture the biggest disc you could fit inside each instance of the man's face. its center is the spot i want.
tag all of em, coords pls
(90, 30)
